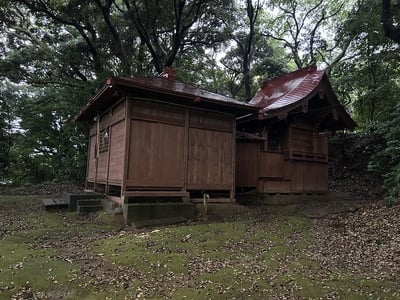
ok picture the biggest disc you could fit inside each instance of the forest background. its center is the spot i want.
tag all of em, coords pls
(55, 54)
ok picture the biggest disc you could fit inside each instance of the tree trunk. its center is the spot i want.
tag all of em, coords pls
(391, 31)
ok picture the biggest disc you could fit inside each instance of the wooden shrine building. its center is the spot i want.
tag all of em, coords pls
(284, 148)
(158, 137)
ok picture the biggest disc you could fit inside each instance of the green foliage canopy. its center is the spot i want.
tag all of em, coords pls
(54, 54)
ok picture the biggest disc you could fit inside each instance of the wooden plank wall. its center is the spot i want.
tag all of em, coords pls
(91, 165)
(300, 168)
(308, 173)
(302, 139)
(271, 164)
(210, 153)
(107, 166)
(156, 145)
(308, 176)
(210, 159)
(168, 148)
(117, 148)
(155, 154)
(322, 143)
(246, 164)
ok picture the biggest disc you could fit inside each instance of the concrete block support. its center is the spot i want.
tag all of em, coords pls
(150, 214)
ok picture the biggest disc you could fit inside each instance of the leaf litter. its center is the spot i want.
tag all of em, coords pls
(269, 254)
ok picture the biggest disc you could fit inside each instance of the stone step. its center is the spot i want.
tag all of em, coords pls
(89, 202)
(85, 209)
(72, 198)
(52, 204)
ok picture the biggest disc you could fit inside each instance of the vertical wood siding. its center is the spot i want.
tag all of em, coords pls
(300, 168)
(302, 140)
(155, 154)
(117, 147)
(246, 164)
(167, 147)
(271, 164)
(308, 176)
(102, 167)
(91, 165)
(210, 159)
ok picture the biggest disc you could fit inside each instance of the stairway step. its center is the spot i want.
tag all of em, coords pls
(88, 202)
(72, 198)
(85, 209)
(54, 203)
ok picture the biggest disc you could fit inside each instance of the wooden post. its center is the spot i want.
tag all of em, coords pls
(108, 157)
(126, 146)
(186, 150)
(88, 162)
(97, 151)
(314, 139)
(290, 143)
(232, 196)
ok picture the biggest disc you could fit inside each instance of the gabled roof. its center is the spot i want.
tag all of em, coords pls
(176, 91)
(288, 89)
(283, 94)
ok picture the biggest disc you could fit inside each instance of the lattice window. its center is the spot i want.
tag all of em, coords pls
(104, 140)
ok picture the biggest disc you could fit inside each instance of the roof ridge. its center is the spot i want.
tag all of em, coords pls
(307, 70)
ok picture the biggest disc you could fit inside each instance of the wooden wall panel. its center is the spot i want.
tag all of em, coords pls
(102, 167)
(105, 120)
(308, 176)
(302, 140)
(322, 143)
(246, 164)
(157, 111)
(271, 164)
(210, 159)
(209, 120)
(91, 165)
(93, 129)
(117, 148)
(118, 113)
(155, 154)
(274, 186)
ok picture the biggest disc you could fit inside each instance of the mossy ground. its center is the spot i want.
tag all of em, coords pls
(261, 255)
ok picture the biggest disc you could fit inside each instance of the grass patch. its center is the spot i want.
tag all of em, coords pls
(168, 249)
(21, 266)
(256, 256)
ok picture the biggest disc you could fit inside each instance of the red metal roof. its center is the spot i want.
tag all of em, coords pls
(276, 97)
(288, 89)
(279, 96)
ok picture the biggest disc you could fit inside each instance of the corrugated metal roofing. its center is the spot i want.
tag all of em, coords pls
(160, 85)
(276, 97)
(281, 95)
(288, 89)
(167, 85)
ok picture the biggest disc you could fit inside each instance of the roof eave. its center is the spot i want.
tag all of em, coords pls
(82, 115)
(86, 114)
(284, 110)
